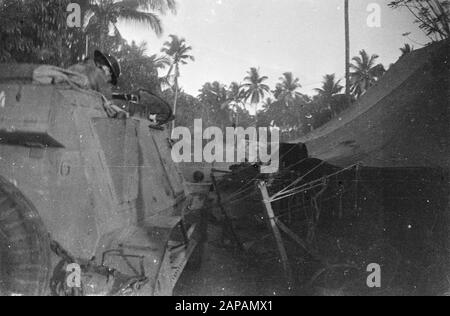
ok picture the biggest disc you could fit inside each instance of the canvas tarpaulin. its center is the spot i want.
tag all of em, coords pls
(403, 121)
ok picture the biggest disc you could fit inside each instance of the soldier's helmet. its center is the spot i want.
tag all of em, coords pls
(111, 62)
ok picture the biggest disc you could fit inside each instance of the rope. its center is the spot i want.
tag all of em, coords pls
(242, 189)
(298, 180)
(286, 193)
(295, 193)
(321, 179)
(230, 199)
(296, 164)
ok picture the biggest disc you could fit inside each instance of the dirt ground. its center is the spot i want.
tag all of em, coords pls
(397, 222)
(226, 272)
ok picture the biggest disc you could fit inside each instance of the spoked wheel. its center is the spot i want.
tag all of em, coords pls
(24, 245)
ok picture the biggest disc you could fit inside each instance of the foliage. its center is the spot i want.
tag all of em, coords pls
(214, 97)
(406, 49)
(365, 72)
(139, 70)
(179, 53)
(254, 88)
(330, 87)
(190, 108)
(235, 96)
(102, 16)
(328, 93)
(433, 16)
(36, 32)
(286, 90)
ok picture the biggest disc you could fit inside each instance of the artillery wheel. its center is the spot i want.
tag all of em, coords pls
(24, 245)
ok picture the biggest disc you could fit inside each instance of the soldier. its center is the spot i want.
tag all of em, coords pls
(102, 72)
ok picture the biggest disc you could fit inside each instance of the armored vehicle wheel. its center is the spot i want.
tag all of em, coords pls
(24, 245)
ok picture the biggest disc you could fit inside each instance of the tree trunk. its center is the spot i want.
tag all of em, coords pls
(60, 23)
(256, 115)
(347, 52)
(103, 28)
(175, 102)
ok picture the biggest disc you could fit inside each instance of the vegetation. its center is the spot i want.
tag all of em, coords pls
(287, 89)
(179, 53)
(140, 70)
(406, 49)
(254, 88)
(365, 73)
(102, 16)
(433, 16)
(36, 32)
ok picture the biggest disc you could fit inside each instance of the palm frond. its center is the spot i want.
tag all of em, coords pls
(162, 6)
(150, 19)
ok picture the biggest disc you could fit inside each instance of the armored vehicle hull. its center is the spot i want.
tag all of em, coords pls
(80, 189)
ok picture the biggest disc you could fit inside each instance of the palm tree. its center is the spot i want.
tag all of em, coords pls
(214, 96)
(286, 90)
(235, 98)
(406, 49)
(365, 72)
(138, 68)
(327, 94)
(254, 89)
(179, 53)
(330, 87)
(102, 15)
(235, 94)
(159, 63)
(134, 50)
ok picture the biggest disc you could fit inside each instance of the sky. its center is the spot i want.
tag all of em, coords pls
(305, 37)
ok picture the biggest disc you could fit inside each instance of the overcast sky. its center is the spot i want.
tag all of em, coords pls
(305, 37)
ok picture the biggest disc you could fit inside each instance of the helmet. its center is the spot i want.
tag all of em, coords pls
(111, 62)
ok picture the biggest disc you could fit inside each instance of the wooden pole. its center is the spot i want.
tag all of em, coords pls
(175, 104)
(276, 232)
(298, 240)
(347, 51)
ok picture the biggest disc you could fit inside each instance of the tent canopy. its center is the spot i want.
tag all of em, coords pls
(403, 121)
